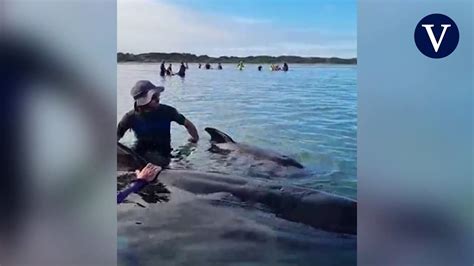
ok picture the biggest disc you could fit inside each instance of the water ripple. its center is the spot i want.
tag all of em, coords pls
(309, 113)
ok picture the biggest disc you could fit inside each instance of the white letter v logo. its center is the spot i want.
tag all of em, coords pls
(429, 30)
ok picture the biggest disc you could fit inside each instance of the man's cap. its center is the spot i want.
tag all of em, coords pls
(143, 91)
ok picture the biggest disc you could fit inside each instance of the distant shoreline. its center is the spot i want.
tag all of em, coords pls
(260, 59)
(256, 64)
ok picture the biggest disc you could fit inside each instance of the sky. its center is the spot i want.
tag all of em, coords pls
(325, 28)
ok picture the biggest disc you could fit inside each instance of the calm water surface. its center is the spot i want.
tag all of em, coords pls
(308, 113)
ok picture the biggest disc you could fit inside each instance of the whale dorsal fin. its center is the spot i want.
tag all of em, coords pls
(218, 136)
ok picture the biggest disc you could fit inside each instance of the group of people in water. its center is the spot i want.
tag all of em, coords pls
(169, 71)
(208, 66)
(278, 68)
(273, 67)
(184, 66)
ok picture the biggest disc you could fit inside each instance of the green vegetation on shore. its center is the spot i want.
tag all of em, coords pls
(260, 59)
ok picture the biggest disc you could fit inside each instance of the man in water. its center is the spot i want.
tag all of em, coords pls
(162, 69)
(219, 66)
(151, 123)
(169, 71)
(259, 68)
(208, 66)
(285, 66)
(182, 70)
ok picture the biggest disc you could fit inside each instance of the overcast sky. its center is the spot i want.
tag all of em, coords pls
(246, 27)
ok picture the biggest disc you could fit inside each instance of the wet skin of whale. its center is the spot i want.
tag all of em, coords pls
(308, 206)
(312, 207)
(223, 143)
(127, 160)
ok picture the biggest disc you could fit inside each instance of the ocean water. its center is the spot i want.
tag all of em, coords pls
(308, 113)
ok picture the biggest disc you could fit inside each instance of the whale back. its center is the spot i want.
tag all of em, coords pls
(218, 136)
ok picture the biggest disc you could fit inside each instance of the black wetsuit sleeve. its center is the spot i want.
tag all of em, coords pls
(123, 125)
(177, 116)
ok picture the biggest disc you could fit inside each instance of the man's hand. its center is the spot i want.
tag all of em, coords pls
(148, 172)
(192, 131)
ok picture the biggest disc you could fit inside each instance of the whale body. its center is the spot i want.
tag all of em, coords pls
(223, 143)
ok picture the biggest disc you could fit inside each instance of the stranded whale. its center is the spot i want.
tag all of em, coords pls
(307, 206)
(223, 143)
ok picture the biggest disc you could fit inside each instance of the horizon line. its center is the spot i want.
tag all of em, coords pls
(347, 58)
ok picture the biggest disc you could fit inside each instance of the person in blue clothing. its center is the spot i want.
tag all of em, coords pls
(151, 122)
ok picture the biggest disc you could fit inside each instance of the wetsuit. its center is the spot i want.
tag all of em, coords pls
(134, 186)
(181, 71)
(162, 70)
(152, 130)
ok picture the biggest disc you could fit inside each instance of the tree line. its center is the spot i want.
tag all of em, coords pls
(260, 59)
